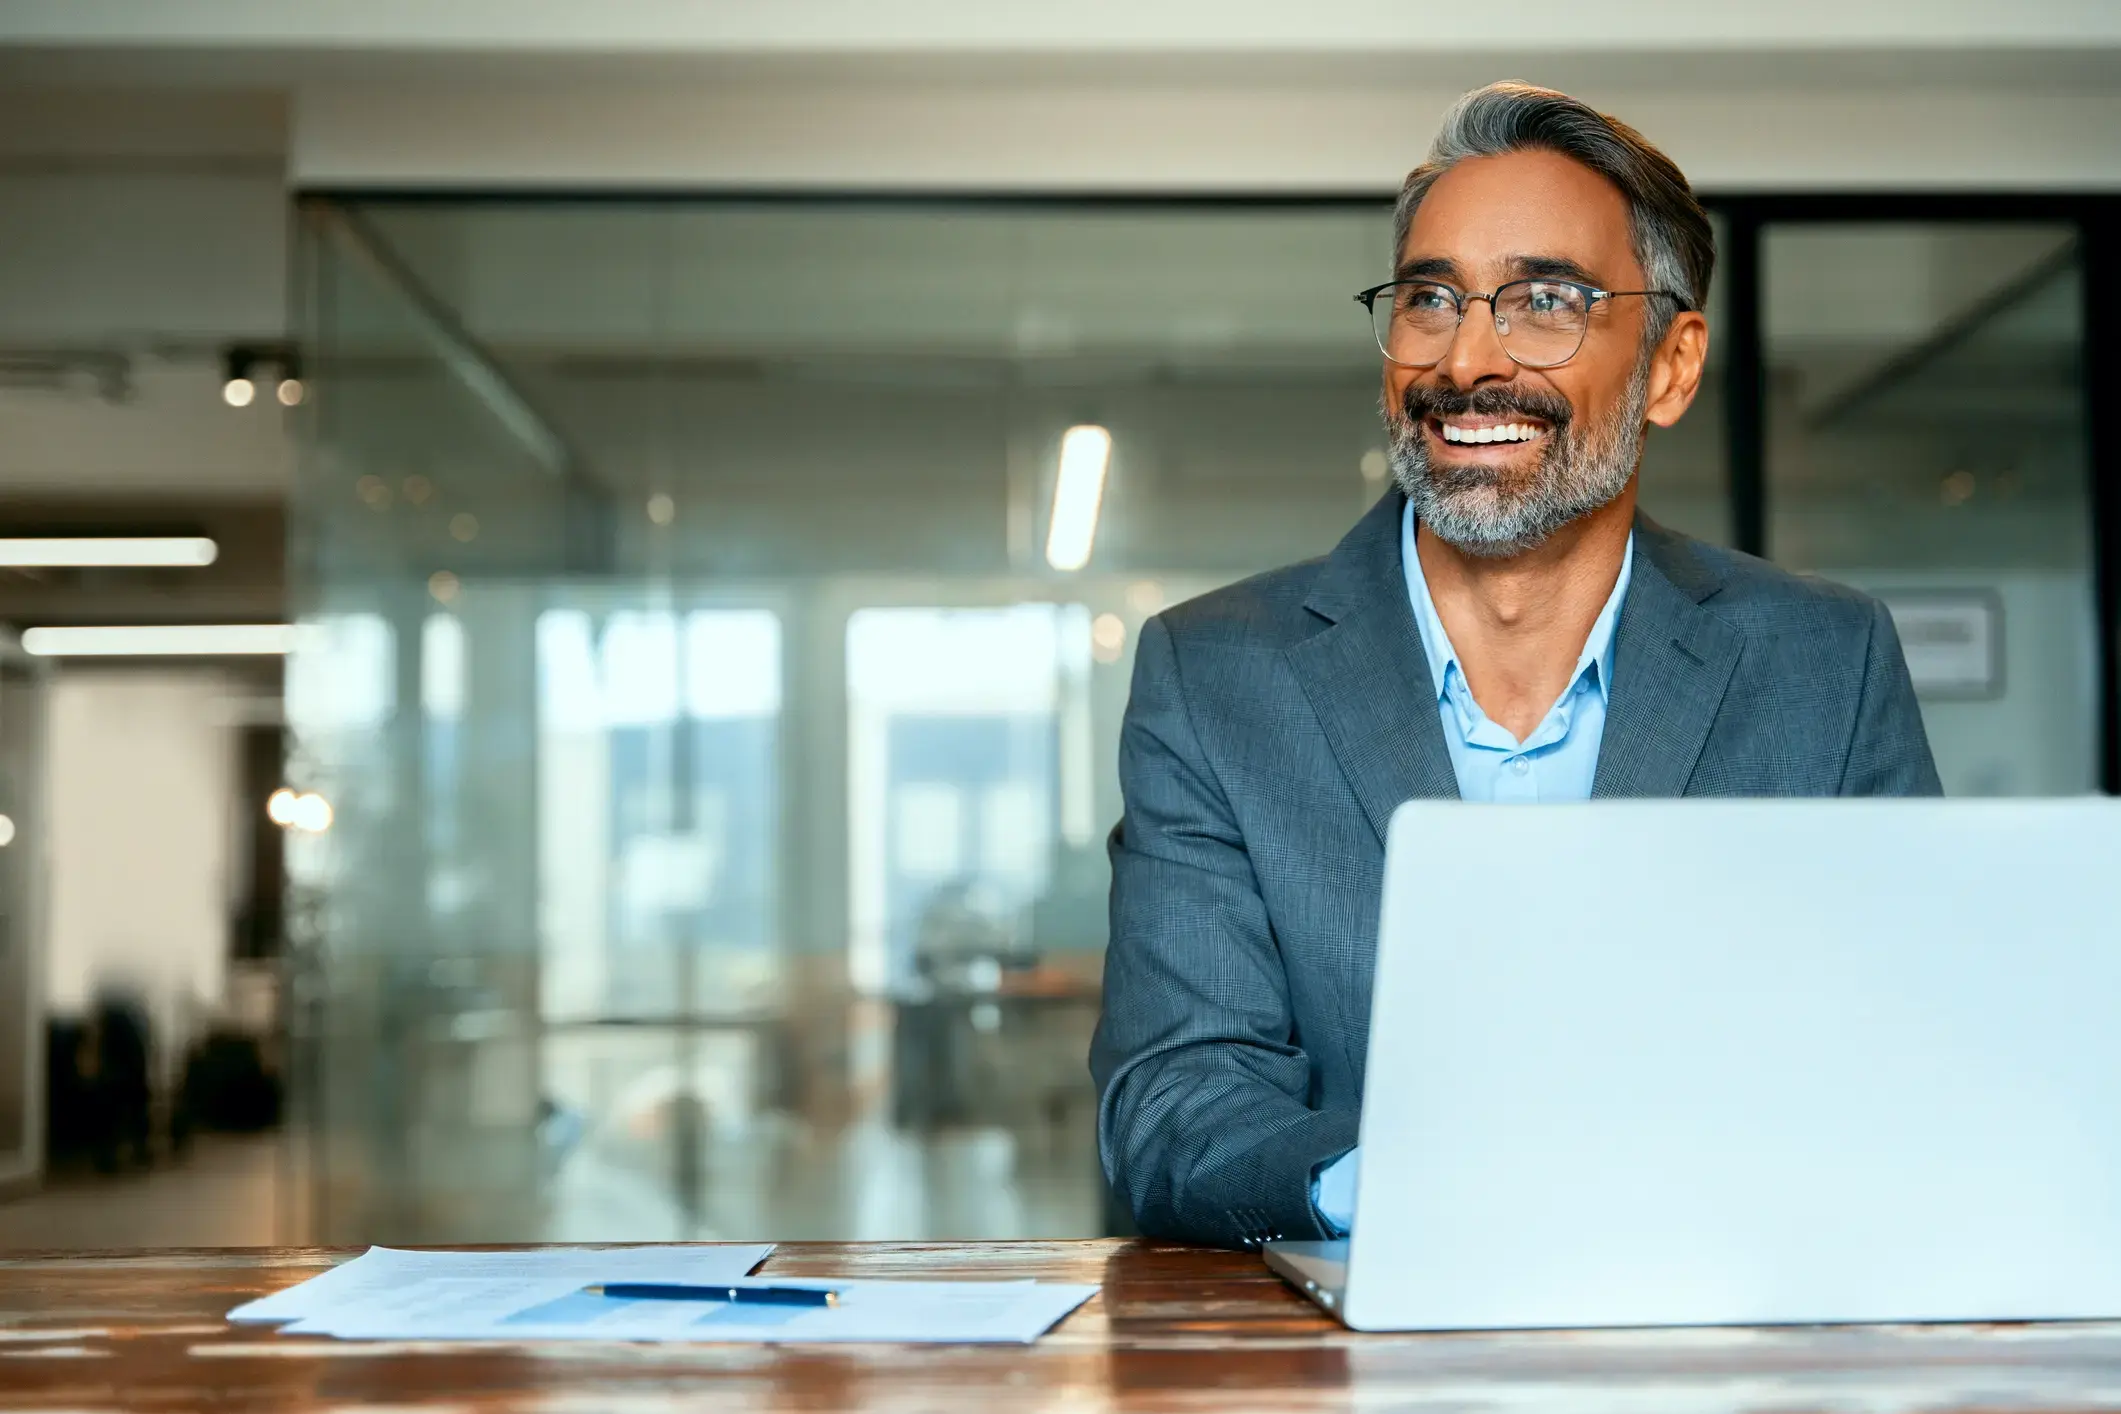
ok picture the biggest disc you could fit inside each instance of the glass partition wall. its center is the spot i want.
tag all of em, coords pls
(432, 506)
(23, 690)
(720, 767)
(721, 740)
(1927, 442)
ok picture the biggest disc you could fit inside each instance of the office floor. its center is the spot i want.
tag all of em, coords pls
(866, 1181)
(226, 1193)
(647, 1140)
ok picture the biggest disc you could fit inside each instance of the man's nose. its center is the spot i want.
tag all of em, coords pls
(1476, 354)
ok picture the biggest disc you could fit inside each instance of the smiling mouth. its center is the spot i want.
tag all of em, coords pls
(1467, 433)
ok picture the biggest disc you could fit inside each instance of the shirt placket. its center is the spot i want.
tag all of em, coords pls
(1522, 770)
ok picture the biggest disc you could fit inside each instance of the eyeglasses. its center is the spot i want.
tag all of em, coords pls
(1540, 323)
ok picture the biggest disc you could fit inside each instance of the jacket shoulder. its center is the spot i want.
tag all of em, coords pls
(1263, 611)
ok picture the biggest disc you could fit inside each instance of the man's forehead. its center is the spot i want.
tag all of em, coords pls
(1488, 215)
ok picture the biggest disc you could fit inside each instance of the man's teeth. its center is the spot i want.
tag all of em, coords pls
(1506, 432)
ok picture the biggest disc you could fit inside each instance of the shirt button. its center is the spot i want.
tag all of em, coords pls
(1520, 765)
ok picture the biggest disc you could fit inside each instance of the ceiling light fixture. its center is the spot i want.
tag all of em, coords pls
(237, 388)
(280, 806)
(159, 640)
(131, 551)
(247, 369)
(1086, 453)
(290, 390)
(312, 813)
(299, 810)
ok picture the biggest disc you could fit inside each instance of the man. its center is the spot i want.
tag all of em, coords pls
(1503, 626)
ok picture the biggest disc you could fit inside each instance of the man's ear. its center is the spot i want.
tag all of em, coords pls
(1676, 367)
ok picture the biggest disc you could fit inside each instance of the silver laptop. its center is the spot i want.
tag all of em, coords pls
(1646, 1063)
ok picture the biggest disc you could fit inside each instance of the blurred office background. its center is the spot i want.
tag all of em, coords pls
(641, 763)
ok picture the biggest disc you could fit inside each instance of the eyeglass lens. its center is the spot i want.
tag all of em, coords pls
(1540, 322)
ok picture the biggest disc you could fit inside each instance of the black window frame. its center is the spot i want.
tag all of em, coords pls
(2096, 218)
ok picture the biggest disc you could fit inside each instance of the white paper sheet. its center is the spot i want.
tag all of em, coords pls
(503, 1307)
(385, 1274)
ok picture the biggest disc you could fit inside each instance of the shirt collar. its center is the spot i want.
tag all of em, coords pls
(1443, 658)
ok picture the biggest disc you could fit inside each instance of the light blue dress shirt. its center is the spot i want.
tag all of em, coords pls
(1556, 762)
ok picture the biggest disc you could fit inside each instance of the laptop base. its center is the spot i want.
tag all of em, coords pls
(1317, 1269)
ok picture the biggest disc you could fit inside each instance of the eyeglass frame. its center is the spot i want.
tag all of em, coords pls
(1592, 298)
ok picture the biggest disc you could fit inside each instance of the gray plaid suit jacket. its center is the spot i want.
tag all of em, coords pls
(1274, 727)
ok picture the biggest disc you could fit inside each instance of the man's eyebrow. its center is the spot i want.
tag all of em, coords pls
(1430, 267)
(1549, 267)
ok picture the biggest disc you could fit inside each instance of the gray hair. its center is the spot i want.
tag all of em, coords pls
(1669, 231)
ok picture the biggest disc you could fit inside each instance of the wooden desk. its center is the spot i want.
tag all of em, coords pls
(1175, 1329)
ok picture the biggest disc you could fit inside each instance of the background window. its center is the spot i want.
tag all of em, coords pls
(1926, 443)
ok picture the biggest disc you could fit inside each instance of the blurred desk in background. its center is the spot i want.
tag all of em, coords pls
(1175, 1328)
(1004, 1048)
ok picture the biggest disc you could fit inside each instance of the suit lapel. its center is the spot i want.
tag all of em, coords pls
(1672, 660)
(1366, 675)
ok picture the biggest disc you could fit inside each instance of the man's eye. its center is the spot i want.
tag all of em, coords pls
(1428, 300)
(1547, 301)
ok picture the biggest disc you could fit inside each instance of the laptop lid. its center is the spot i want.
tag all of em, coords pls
(1697, 1062)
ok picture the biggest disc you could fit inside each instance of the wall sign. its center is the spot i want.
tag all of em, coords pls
(1953, 639)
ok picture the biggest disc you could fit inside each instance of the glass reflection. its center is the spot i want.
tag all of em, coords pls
(1927, 444)
(954, 781)
(657, 811)
(722, 765)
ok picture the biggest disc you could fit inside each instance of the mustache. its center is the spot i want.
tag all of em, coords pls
(1422, 402)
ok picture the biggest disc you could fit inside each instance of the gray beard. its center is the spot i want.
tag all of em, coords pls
(1481, 514)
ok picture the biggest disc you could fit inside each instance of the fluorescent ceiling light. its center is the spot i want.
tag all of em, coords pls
(1086, 452)
(158, 640)
(49, 551)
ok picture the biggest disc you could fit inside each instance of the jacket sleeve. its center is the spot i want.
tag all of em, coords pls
(1203, 1123)
(1889, 753)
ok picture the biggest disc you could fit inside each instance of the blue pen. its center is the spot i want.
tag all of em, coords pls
(743, 1295)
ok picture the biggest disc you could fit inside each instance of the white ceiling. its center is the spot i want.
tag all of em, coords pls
(1098, 26)
(174, 436)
